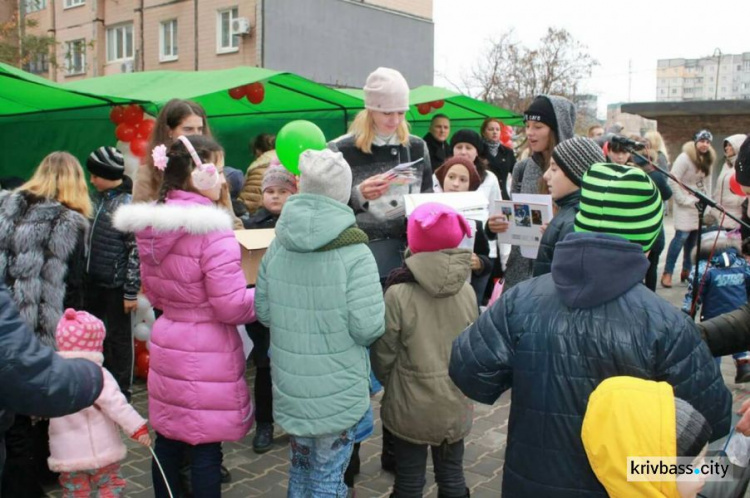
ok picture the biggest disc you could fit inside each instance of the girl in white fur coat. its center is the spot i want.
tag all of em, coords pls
(86, 447)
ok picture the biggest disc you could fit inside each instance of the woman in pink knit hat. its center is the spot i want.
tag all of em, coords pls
(428, 303)
(85, 447)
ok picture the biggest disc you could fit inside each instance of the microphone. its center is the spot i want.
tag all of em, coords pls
(626, 142)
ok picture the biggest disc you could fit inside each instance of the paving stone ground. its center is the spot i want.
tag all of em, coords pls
(266, 475)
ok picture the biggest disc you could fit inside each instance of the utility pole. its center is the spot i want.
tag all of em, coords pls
(630, 79)
(718, 69)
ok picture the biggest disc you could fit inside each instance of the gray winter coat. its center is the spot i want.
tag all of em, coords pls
(41, 258)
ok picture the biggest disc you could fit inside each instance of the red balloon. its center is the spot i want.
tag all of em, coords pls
(140, 346)
(144, 128)
(125, 132)
(141, 364)
(735, 186)
(139, 146)
(255, 92)
(438, 104)
(117, 114)
(237, 92)
(133, 114)
(424, 108)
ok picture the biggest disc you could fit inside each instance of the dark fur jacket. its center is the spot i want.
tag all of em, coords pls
(42, 249)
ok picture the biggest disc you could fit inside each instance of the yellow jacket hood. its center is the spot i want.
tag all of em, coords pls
(629, 417)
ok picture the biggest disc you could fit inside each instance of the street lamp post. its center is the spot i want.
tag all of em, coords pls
(717, 51)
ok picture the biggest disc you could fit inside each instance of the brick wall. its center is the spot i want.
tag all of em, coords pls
(677, 130)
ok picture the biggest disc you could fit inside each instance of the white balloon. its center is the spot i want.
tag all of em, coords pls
(149, 317)
(142, 332)
(131, 165)
(148, 345)
(123, 147)
(143, 303)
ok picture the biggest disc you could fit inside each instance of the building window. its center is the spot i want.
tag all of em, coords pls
(120, 43)
(75, 57)
(35, 5)
(40, 65)
(73, 3)
(168, 41)
(225, 42)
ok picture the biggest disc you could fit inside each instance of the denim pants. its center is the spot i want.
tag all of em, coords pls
(411, 466)
(205, 466)
(318, 465)
(682, 241)
(736, 356)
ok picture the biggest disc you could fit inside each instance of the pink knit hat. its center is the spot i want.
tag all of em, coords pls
(433, 227)
(279, 177)
(80, 331)
(386, 90)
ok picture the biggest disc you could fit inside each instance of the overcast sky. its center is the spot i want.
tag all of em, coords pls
(615, 32)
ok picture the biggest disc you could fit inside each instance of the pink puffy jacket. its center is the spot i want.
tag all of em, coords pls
(89, 439)
(190, 269)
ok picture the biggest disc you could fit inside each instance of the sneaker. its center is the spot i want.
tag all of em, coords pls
(743, 371)
(263, 440)
(226, 476)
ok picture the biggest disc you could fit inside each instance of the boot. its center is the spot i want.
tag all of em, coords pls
(666, 280)
(263, 440)
(684, 275)
(743, 371)
(226, 476)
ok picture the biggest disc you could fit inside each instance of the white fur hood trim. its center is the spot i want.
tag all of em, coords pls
(195, 219)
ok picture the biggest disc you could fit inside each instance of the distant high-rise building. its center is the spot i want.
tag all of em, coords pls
(719, 77)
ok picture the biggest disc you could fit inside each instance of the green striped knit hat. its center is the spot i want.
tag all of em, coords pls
(622, 201)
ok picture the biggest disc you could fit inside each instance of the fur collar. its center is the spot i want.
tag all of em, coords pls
(97, 358)
(692, 153)
(195, 219)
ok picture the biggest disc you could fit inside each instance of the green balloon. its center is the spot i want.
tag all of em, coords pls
(295, 138)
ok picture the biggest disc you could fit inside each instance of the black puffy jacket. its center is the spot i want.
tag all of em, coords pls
(34, 380)
(560, 226)
(113, 256)
(502, 164)
(554, 338)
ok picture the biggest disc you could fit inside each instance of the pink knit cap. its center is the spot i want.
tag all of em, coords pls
(80, 331)
(433, 227)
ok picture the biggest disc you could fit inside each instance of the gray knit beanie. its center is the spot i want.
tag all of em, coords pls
(576, 155)
(324, 172)
(693, 432)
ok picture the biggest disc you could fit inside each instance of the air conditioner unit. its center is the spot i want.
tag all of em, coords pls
(241, 26)
(127, 67)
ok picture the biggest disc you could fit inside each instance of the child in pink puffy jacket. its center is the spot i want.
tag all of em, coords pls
(190, 269)
(86, 447)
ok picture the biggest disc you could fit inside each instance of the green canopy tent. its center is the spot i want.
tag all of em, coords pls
(463, 111)
(234, 121)
(38, 116)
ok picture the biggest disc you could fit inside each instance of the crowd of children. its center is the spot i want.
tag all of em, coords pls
(352, 294)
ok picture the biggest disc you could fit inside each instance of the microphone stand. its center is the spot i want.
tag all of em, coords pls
(704, 202)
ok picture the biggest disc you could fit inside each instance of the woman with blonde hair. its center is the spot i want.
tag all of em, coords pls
(43, 226)
(378, 140)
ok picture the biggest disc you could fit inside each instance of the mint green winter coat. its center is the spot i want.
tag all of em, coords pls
(320, 295)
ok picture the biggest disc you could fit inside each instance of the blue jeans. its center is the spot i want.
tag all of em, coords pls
(682, 241)
(205, 467)
(735, 356)
(318, 465)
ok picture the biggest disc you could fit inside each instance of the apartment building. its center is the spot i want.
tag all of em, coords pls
(719, 77)
(334, 42)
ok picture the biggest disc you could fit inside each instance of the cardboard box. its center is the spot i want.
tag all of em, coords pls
(253, 245)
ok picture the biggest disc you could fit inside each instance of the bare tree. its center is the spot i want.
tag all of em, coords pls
(19, 48)
(510, 75)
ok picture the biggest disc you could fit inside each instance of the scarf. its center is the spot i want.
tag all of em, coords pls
(381, 140)
(492, 146)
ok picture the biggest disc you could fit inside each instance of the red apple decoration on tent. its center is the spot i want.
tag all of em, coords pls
(424, 108)
(255, 92)
(237, 92)
(438, 104)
